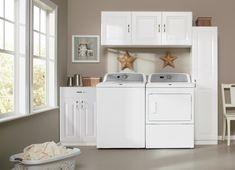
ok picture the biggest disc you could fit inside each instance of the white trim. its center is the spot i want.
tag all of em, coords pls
(7, 51)
(16, 57)
(27, 58)
(18, 116)
(45, 4)
(231, 137)
(28, 61)
(45, 109)
(30, 56)
(47, 57)
(212, 142)
(5, 19)
(55, 56)
(206, 142)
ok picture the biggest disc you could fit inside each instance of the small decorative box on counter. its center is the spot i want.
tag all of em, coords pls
(203, 21)
(91, 81)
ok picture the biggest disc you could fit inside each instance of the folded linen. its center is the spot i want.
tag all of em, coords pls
(44, 151)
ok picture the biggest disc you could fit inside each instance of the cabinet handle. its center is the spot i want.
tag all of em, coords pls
(77, 104)
(164, 27)
(159, 27)
(128, 28)
(81, 92)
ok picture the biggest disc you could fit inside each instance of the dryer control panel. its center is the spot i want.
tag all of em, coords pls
(169, 77)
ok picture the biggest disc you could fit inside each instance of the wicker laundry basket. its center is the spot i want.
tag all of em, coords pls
(65, 162)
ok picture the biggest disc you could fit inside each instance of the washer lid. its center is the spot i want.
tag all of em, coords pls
(121, 85)
(169, 78)
(125, 77)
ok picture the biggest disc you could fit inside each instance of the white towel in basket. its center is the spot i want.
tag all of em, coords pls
(44, 151)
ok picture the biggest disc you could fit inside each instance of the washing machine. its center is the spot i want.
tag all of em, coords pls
(121, 111)
(169, 111)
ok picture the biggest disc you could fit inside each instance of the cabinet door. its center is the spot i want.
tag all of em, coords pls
(205, 74)
(88, 118)
(146, 28)
(69, 121)
(78, 116)
(176, 28)
(116, 28)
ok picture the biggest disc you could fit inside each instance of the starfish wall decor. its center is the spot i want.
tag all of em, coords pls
(126, 61)
(168, 60)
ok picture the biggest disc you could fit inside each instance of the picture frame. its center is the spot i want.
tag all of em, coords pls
(85, 49)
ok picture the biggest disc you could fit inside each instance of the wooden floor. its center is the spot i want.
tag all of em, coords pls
(213, 157)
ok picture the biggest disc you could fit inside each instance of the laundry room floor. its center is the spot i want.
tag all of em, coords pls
(216, 157)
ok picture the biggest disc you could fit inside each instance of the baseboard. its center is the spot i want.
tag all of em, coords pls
(206, 142)
(231, 137)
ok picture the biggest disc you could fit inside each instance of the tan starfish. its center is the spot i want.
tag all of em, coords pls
(168, 60)
(126, 61)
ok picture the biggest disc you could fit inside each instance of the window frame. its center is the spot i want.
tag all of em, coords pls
(32, 56)
(28, 62)
(16, 57)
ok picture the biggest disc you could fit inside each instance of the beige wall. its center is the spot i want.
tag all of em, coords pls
(16, 134)
(84, 18)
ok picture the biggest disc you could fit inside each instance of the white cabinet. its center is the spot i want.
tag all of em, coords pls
(116, 28)
(146, 28)
(77, 115)
(204, 53)
(177, 28)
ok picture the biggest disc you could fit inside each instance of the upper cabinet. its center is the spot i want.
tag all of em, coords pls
(116, 28)
(177, 28)
(146, 28)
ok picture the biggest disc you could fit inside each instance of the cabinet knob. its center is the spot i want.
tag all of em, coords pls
(164, 27)
(128, 29)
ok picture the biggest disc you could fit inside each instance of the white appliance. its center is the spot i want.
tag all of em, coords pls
(169, 111)
(121, 111)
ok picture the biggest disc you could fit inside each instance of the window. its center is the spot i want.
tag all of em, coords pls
(44, 87)
(12, 57)
(27, 70)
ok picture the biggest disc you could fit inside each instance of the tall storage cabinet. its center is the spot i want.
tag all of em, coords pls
(205, 73)
(78, 115)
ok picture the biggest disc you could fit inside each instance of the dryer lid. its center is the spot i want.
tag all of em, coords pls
(169, 78)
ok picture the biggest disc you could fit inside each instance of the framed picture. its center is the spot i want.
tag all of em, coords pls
(85, 49)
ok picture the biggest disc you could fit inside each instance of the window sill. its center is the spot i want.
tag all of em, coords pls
(14, 117)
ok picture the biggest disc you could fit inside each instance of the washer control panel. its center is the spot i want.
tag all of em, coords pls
(124, 77)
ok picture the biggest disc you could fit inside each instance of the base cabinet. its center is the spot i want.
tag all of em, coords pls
(77, 116)
(204, 53)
